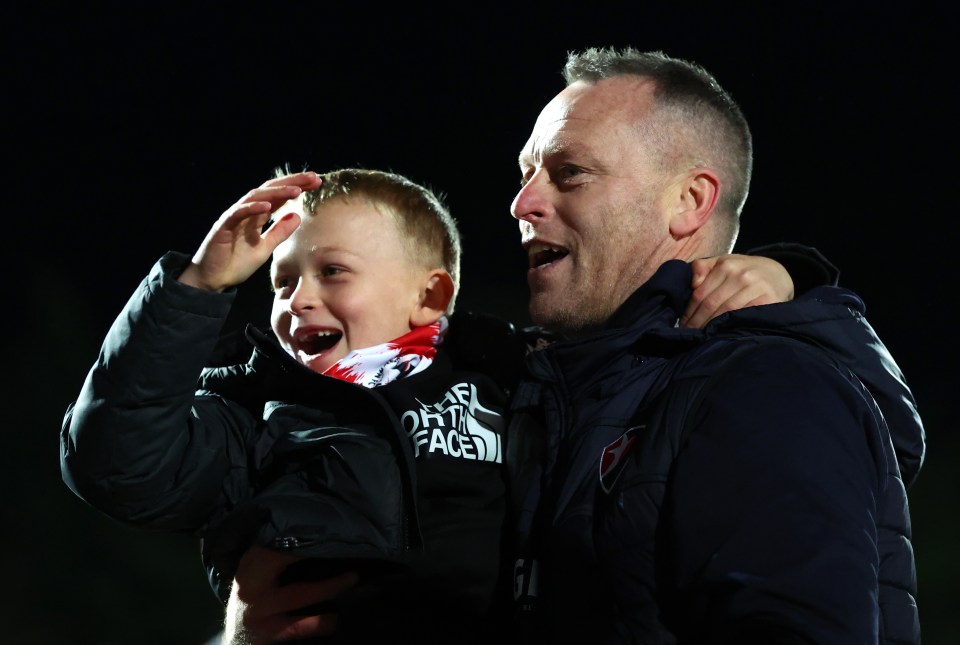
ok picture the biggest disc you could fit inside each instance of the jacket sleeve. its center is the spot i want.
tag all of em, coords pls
(852, 339)
(139, 443)
(859, 346)
(771, 513)
(834, 319)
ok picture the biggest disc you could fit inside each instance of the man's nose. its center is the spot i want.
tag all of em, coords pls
(532, 204)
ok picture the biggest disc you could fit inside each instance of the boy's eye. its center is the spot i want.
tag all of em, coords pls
(329, 271)
(281, 284)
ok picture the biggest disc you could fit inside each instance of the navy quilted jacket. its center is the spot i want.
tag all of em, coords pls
(756, 499)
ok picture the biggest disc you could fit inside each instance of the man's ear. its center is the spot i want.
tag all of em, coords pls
(694, 199)
(434, 298)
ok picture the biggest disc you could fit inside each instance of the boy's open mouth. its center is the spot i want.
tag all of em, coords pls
(318, 342)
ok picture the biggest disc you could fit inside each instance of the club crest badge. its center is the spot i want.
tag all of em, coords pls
(614, 457)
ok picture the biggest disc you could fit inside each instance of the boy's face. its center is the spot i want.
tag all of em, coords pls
(342, 281)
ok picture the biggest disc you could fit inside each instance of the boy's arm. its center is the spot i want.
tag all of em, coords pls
(137, 443)
(765, 275)
(808, 267)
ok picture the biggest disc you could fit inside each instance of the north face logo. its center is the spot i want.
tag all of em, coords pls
(456, 426)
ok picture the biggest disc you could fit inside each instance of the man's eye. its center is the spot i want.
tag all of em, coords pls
(566, 172)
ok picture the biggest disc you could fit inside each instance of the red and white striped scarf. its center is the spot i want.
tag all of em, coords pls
(378, 365)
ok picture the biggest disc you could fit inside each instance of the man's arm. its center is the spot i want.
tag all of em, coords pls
(260, 611)
(771, 514)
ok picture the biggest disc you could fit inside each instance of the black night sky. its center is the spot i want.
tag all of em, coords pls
(131, 127)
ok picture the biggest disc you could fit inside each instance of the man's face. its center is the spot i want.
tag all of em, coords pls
(589, 207)
(342, 282)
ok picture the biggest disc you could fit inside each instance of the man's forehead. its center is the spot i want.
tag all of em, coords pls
(558, 109)
(583, 111)
(553, 119)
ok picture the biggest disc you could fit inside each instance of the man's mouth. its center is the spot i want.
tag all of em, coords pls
(541, 255)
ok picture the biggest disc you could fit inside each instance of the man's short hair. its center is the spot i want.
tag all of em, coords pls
(696, 120)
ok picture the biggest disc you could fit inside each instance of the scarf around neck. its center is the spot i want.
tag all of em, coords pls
(381, 364)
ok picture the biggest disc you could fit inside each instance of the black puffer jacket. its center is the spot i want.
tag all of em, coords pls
(403, 483)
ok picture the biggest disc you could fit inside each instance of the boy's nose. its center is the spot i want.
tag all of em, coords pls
(304, 298)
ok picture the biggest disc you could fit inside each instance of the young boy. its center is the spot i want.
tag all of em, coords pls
(351, 439)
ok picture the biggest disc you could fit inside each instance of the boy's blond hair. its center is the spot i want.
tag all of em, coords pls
(423, 220)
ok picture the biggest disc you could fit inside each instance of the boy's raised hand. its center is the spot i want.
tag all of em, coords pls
(726, 282)
(237, 245)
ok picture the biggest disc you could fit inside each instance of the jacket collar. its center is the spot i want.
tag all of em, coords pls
(654, 308)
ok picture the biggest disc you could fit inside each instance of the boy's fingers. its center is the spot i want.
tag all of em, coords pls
(274, 195)
(307, 180)
(695, 316)
(281, 229)
(701, 269)
(243, 210)
(280, 190)
(701, 305)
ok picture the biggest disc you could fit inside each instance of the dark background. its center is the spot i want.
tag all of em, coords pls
(133, 127)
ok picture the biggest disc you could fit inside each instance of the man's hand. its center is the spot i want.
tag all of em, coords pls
(237, 246)
(726, 282)
(259, 610)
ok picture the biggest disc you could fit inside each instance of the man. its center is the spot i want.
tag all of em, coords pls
(761, 501)
(736, 484)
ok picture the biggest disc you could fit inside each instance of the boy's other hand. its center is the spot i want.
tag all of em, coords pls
(726, 282)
